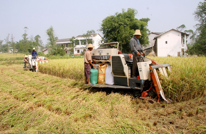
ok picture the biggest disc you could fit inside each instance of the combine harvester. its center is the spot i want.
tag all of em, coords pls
(121, 70)
(33, 63)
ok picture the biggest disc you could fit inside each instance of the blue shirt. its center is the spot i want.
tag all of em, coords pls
(34, 54)
(137, 40)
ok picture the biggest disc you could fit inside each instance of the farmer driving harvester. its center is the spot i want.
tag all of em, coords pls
(137, 51)
(34, 54)
(115, 69)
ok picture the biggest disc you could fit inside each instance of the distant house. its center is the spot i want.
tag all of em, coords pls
(66, 44)
(79, 49)
(169, 43)
(149, 49)
(80, 43)
(45, 51)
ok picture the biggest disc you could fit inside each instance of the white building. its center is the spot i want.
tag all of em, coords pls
(169, 43)
(66, 44)
(80, 43)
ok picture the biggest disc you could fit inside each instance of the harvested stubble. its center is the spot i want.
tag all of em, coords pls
(186, 81)
(40, 103)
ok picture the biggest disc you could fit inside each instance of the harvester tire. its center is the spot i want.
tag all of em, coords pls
(136, 93)
(33, 69)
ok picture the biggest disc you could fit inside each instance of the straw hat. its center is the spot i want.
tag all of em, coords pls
(33, 48)
(137, 32)
(25, 56)
(90, 46)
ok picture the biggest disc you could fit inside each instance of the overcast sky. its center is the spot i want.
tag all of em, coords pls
(75, 17)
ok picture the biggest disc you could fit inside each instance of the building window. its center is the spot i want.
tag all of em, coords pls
(69, 45)
(165, 42)
(77, 51)
(76, 42)
(90, 41)
(83, 42)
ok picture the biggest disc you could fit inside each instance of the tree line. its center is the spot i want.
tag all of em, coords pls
(119, 27)
(25, 45)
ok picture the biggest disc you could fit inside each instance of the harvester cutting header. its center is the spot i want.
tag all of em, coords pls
(126, 71)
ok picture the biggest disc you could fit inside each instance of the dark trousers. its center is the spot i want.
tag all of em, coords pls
(25, 64)
(87, 68)
(136, 59)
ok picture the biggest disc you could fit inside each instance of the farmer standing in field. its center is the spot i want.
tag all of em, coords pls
(136, 50)
(34, 54)
(88, 63)
(26, 60)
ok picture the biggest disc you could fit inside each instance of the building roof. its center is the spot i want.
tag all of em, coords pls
(45, 49)
(157, 33)
(151, 39)
(169, 31)
(91, 35)
(68, 40)
(65, 40)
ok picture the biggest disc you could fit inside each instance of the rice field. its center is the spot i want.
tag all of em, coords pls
(11, 58)
(66, 68)
(186, 81)
(54, 101)
(41, 103)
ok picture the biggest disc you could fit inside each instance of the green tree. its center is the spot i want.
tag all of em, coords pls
(13, 45)
(71, 50)
(6, 48)
(38, 42)
(145, 20)
(52, 39)
(55, 49)
(181, 27)
(190, 32)
(121, 27)
(1, 41)
(25, 40)
(87, 35)
(25, 45)
(199, 46)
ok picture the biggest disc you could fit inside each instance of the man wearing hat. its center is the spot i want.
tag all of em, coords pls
(136, 50)
(88, 63)
(34, 54)
(26, 60)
